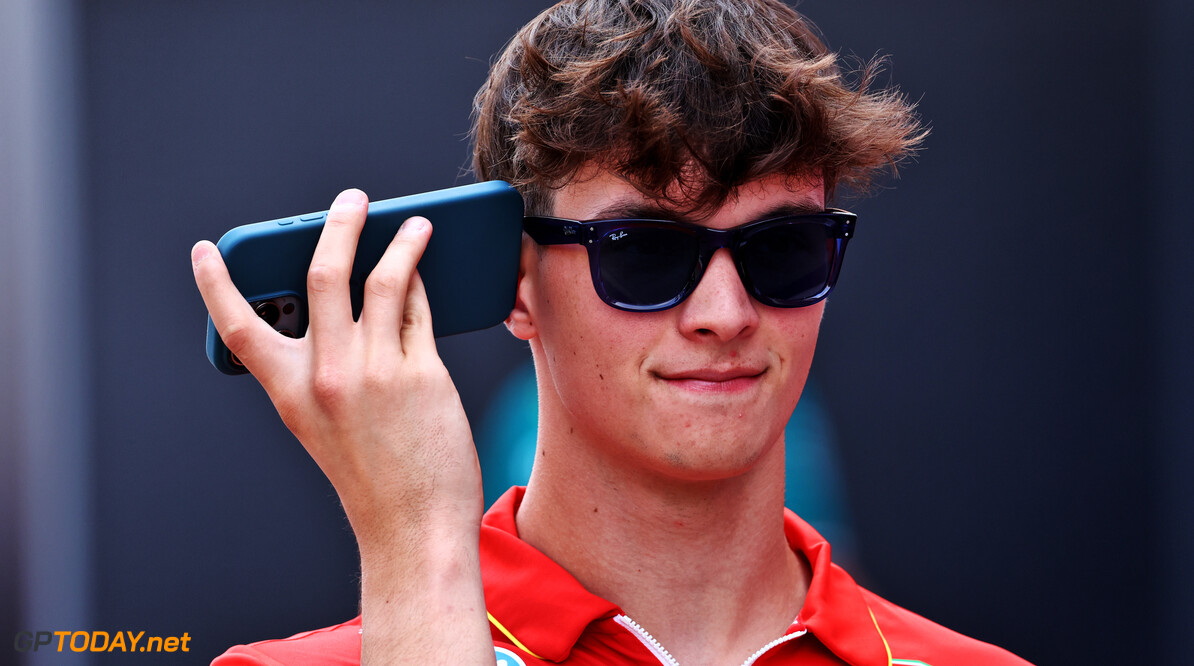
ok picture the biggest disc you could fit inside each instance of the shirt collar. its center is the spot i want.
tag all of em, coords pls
(834, 610)
(539, 604)
(535, 600)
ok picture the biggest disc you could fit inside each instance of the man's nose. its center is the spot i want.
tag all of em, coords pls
(719, 306)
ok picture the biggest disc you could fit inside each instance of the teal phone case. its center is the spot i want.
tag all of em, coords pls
(470, 267)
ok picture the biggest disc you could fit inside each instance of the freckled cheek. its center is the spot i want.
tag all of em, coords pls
(586, 339)
(566, 287)
(797, 331)
(613, 373)
(614, 347)
(597, 351)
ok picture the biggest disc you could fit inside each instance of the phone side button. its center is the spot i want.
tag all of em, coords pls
(285, 222)
(312, 217)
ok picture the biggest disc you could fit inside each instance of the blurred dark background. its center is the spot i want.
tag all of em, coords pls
(1006, 362)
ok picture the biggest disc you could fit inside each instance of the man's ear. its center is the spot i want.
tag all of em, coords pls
(521, 322)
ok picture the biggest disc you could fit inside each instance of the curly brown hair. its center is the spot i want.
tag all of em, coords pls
(685, 99)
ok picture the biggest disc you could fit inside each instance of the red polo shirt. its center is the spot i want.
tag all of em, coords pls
(540, 614)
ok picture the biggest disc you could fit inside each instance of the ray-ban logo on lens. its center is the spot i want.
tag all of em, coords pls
(618, 236)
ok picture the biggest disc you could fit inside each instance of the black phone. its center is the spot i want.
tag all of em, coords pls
(470, 266)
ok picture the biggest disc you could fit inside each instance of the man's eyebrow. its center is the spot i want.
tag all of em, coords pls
(634, 208)
(803, 206)
(638, 209)
(799, 204)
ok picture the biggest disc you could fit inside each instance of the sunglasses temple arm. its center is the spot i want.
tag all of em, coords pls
(552, 230)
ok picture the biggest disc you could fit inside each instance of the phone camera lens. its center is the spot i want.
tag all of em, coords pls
(288, 309)
(288, 333)
(268, 311)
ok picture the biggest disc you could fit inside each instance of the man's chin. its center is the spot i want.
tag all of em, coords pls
(710, 460)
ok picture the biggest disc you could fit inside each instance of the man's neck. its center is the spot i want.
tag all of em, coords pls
(703, 566)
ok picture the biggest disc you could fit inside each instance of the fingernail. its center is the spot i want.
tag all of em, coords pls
(200, 252)
(349, 198)
(414, 224)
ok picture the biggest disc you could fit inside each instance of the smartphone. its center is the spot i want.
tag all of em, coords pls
(470, 266)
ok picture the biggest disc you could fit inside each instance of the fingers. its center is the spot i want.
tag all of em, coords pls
(396, 315)
(387, 290)
(328, 300)
(243, 332)
(417, 336)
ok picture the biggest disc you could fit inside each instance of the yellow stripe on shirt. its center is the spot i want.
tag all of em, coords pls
(517, 643)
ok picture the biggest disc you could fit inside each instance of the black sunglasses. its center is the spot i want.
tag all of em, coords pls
(650, 265)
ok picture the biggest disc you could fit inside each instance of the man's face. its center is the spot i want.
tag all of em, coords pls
(698, 392)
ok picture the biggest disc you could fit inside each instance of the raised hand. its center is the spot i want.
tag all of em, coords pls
(374, 406)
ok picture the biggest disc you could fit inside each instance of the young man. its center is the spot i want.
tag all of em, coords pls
(669, 355)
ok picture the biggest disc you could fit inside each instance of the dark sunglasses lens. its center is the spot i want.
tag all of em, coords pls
(646, 266)
(789, 263)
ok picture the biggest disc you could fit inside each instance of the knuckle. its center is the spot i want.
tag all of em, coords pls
(237, 336)
(426, 373)
(384, 285)
(378, 377)
(328, 386)
(323, 277)
(418, 380)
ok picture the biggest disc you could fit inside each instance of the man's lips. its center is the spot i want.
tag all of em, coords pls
(716, 380)
(712, 374)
